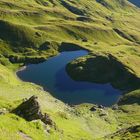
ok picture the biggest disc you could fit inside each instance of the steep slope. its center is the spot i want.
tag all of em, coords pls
(33, 30)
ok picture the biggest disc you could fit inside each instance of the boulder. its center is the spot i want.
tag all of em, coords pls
(101, 106)
(93, 108)
(85, 40)
(30, 110)
(45, 46)
(115, 107)
(103, 113)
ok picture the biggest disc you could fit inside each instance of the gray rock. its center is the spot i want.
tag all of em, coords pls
(101, 106)
(93, 108)
(30, 110)
(115, 107)
(3, 111)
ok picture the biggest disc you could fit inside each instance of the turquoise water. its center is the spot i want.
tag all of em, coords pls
(51, 75)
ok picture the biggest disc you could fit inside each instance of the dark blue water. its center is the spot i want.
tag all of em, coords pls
(135, 2)
(53, 77)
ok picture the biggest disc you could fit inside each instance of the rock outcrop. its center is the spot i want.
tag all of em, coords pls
(107, 69)
(30, 110)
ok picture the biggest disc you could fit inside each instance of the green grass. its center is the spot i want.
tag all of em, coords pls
(130, 98)
(87, 123)
(34, 30)
(12, 125)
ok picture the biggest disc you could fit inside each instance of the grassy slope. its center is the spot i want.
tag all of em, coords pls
(26, 25)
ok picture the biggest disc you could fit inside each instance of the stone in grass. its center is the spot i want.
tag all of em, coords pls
(38, 34)
(30, 110)
(101, 106)
(115, 107)
(93, 108)
(3, 111)
(103, 113)
(84, 40)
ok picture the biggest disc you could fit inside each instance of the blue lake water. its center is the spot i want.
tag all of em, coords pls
(135, 2)
(51, 75)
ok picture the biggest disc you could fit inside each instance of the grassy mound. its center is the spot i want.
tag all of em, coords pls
(103, 69)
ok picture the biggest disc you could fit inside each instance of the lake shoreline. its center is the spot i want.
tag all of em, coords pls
(58, 82)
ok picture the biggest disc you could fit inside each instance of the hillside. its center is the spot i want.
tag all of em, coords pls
(31, 31)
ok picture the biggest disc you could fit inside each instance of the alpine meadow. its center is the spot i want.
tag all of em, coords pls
(69, 69)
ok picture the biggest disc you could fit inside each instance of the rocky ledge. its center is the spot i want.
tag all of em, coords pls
(30, 110)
